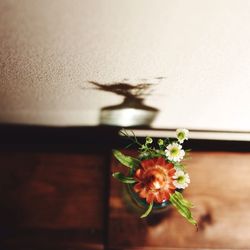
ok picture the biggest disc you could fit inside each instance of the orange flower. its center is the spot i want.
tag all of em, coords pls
(155, 180)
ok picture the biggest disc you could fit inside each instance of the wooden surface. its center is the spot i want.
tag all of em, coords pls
(220, 189)
(57, 201)
(52, 201)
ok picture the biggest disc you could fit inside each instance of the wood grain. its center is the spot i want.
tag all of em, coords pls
(52, 201)
(57, 201)
(220, 189)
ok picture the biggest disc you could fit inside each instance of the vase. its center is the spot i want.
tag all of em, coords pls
(139, 205)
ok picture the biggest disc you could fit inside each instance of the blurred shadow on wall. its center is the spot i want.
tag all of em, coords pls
(132, 111)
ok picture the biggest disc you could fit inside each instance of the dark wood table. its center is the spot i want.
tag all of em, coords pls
(65, 198)
(220, 189)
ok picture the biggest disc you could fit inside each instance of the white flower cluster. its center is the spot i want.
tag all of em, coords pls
(182, 134)
(175, 153)
(181, 179)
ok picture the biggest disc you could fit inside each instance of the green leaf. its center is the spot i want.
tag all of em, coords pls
(148, 210)
(127, 161)
(183, 201)
(124, 179)
(182, 206)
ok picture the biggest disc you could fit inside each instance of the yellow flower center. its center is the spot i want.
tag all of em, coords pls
(174, 151)
(181, 179)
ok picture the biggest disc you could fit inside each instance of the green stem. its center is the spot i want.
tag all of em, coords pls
(148, 210)
(134, 140)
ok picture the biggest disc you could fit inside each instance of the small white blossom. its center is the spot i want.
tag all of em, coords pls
(174, 152)
(182, 134)
(181, 179)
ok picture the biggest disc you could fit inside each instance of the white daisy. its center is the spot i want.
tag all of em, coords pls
(181, 179)
(182, 134)
(174, 152)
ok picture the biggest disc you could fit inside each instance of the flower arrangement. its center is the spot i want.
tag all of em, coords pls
(157, 175)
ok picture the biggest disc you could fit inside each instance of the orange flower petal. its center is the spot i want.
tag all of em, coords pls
(160, 161)
(147, 164)
(166, 196)
(150, 197)
(159, 197)
(155, 180)
(139, 173)
(169, 166)
(171, 172)
(143, 193)
(138, 187)
(171, 186)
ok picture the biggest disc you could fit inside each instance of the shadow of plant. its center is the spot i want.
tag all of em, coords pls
(136, 111)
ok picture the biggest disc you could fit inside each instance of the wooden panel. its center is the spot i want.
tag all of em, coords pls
(52, 201)
(220, 189)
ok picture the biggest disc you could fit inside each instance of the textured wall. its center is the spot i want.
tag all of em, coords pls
(49, 49)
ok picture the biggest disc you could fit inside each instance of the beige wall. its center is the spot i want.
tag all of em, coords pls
(49, 49)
